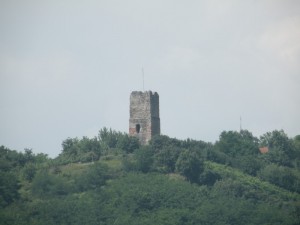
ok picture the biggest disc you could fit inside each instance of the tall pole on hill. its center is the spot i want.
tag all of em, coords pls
(143, 79)
(240, 124)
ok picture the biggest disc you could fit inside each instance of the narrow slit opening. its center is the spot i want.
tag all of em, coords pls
(137, 128)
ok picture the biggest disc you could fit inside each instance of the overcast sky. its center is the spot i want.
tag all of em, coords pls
(67, 67)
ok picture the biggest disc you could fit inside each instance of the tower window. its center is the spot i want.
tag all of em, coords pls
(137, 128)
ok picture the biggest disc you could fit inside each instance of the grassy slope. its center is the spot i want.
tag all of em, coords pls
(263, 190)
(266, 191)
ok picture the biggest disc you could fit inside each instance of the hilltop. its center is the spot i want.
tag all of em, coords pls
(111, 179)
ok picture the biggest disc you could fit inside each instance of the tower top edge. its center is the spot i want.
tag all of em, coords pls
(135, 93)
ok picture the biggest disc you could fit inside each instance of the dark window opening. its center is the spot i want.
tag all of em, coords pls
(138, 128)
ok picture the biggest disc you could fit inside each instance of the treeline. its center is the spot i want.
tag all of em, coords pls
(111, 179)
(87, 149)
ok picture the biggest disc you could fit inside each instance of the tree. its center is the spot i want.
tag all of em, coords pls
(190, 165)
(81, 150)
(41, 158)
(127, 143)
(248, 164)
(144, 159)
(282, 176)
(70, 148)
(209, 177)
(166, 158)
(159, 142)
(108, 138)
(28, 155)
(236, 143)
(29, 171)
(45, 184)
(90, 149)
(95, 177)
(296, 143)
(281, 148)
(9, 187)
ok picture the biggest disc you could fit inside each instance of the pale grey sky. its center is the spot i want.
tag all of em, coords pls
(67, 67)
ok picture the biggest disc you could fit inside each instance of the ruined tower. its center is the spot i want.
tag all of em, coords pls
(144, 119)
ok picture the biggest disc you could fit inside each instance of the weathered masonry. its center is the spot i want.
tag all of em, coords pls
(144, 120)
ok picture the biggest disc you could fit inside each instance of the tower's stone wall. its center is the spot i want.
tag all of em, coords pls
(144, 119)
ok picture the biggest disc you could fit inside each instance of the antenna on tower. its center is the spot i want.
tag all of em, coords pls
(143, 79)
(240, 123)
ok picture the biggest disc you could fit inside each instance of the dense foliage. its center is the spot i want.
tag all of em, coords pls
(110, 179)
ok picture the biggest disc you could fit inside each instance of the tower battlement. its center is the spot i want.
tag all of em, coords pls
(144, 119)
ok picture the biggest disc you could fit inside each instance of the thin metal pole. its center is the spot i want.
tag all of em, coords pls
(240, 123)
(143, 79)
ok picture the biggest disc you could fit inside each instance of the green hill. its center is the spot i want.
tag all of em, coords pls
(116, 181)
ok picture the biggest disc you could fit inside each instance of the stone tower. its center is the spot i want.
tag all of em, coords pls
(144, 119)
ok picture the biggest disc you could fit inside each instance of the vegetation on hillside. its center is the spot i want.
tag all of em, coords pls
(111, 179)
